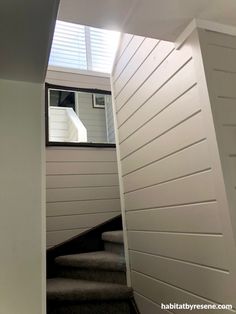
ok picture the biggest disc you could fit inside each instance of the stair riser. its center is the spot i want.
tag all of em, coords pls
(114, 247)
(93, 275)
(88, 308)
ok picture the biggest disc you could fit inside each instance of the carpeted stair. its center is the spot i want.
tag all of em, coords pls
(91, 283)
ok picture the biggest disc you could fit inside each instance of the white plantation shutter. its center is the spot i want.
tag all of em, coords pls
(68, 47)
(82, 47)
(103, 47)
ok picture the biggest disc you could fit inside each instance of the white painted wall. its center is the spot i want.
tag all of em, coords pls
(82, 190)
(22, 213)
(180, 236)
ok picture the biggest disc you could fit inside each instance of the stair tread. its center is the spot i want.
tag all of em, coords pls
(71, 290)
(93, 260)
(113, 236)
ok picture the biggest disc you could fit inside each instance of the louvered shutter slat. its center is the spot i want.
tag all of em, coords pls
(82, 47)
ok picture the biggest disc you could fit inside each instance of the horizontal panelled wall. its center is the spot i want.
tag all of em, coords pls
(82, 190)
(219, 55)
(177, 247)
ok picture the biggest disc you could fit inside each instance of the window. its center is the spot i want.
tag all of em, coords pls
(82, 47)
(99, 101)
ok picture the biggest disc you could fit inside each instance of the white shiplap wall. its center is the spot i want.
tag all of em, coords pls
(219, 55)
(179, 248)
(82, 190)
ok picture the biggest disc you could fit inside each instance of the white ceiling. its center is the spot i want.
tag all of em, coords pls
(26, 29)
(26, 26)
(162, 19)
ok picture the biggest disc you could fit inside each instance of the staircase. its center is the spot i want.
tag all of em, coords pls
(91, 283)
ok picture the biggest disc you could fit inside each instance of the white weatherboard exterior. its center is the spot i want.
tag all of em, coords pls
(65, 126)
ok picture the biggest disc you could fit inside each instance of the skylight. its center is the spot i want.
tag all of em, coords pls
(82, 47)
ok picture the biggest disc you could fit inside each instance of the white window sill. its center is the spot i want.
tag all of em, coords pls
(75, 71)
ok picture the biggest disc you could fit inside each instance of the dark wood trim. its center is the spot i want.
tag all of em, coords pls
(78, 89)
(46, 115)
(87, 241)
(133, 307)
(68, 144)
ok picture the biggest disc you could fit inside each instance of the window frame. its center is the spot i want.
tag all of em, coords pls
(89, 50)
(70, 144)
(95, 104)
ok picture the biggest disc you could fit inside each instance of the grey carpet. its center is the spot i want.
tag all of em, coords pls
(113, 236)
(91, 283)
(94, 260)
(92, 274)
(74, 290)
(113, 247)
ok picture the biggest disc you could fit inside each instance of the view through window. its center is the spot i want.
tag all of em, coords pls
(80, 116)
